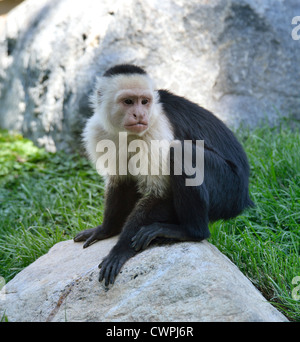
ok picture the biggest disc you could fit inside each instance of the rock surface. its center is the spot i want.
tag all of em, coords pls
(234, 57)
(172, 283)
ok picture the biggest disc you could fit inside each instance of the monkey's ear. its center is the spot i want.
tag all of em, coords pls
(99, 90)
(99, 96)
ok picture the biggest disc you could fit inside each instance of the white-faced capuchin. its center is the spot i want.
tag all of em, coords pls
(143, 203)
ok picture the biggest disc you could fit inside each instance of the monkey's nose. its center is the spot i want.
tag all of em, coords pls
(138, 117)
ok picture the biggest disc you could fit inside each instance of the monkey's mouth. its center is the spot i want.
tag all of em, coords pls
(137, 128)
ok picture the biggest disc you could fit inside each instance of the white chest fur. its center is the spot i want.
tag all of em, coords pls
(144, 159)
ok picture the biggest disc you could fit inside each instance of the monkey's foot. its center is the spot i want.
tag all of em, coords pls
(91, 235)
(112, 264)
(146, 234)
(163, 232)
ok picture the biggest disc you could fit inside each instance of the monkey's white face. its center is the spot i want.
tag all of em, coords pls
(133, 110)
(125, 103)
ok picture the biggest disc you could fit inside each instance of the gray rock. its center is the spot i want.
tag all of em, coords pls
(175, 283)
(234, 57)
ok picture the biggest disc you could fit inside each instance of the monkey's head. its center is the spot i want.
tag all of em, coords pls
(125, 100)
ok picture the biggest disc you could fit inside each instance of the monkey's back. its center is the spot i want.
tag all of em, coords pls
(192, 122)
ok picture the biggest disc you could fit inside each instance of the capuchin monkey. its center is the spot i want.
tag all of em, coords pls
(144, 206)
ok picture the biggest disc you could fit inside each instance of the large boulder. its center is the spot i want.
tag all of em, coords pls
(234, 57)
(189, 282)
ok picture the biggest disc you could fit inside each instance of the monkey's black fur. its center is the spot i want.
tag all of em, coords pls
(124, 69)
(226, 169)
(184, 214)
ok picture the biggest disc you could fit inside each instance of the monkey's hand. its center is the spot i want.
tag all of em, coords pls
(111, 264)
(91, 235)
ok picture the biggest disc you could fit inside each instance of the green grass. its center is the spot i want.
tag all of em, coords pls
(46, 198)
(264, 242)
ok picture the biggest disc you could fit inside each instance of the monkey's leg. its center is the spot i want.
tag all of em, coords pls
(120, 201)
(122, 251)
(191, 207)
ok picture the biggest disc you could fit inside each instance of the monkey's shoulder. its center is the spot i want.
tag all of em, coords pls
(190, 120)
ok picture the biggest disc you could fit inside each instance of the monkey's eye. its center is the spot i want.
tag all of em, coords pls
(128, 101)
(145, 101)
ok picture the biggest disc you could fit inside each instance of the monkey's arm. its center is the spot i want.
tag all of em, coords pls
(122, 251)
(120, 201)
